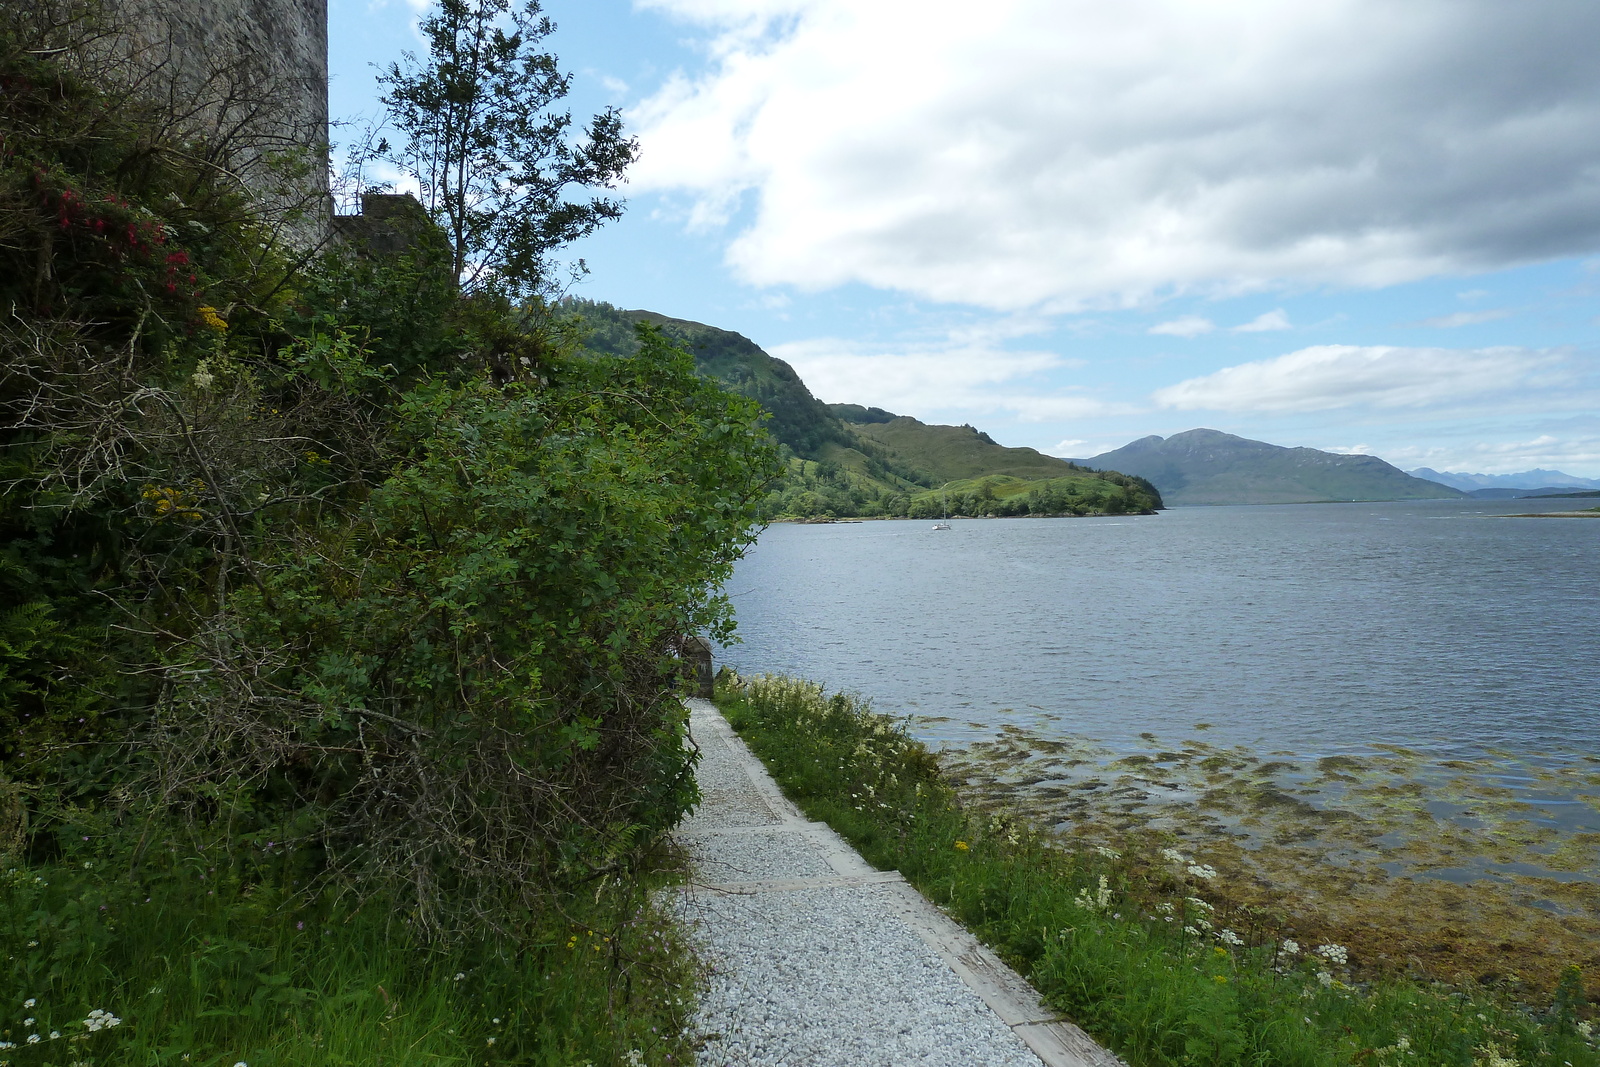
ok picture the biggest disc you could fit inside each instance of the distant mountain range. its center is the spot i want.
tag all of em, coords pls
(1210, 467)
(846, 459)
(1536, 479)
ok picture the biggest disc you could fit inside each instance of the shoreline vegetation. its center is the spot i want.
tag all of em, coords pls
(1483, 872)
(1582, 513)
(1143, 938)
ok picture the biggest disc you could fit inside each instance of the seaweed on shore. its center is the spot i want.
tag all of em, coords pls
(1483, 871)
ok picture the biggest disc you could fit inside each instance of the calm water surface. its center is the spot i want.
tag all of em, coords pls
(1440, 626)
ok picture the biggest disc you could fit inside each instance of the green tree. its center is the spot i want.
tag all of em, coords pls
(493, 156)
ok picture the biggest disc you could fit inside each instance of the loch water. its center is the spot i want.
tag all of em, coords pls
(1445, 627)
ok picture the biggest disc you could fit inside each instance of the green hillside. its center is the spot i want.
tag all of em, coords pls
(845, 460)
(941, 453)
(799, 420)
(1210, 467)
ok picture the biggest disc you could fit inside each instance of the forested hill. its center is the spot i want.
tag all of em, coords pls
(848, 460)
(798, 419)
(1210, 467)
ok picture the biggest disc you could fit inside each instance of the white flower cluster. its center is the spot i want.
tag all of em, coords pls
(1493, 1057)
(1196, 870)
(1100, 900)
(1334, 954)
(100, 1020)
(1291, 947)
(1108, 853)
(1228, 937)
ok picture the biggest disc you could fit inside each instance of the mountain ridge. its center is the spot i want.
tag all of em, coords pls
(1538, 478)
(849, 460)
(1204, 466)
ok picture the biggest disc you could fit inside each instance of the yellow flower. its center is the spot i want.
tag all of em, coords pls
(962, 846)
(209, 316)
(1220, 979)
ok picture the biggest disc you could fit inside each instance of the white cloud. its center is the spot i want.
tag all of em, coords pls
(1464, 318)
(1061, 154)
(1187, 326)
(926, 379)
(1266, 322)
(1329, 377)
(1572, 453)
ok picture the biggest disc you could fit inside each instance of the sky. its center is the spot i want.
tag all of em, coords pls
(1353, 225)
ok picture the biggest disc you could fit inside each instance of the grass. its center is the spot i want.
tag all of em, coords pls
(206, 958)
(1128, 945)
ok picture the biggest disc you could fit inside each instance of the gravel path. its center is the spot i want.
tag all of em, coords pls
(817, 960)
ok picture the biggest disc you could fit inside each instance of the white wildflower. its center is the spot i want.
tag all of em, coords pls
(1202, 870)
(27, 1022)
(100, 1020)
(33, 1039)
(1325, 978)
(1191, 931)
(1172, 855)
(1228, 937)
(1493, 1057)
(1291, 948)
(1108, 853)
(1100, 900)
(1198, 903)
(30, 1002)
(1335, 954)
(55, 1035)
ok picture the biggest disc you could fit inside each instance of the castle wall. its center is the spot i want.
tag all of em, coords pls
(256, 66)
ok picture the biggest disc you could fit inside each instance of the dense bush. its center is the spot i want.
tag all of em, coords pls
(312, 548)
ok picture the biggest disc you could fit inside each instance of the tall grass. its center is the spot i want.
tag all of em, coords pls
(1127, 945)
(192, 957)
